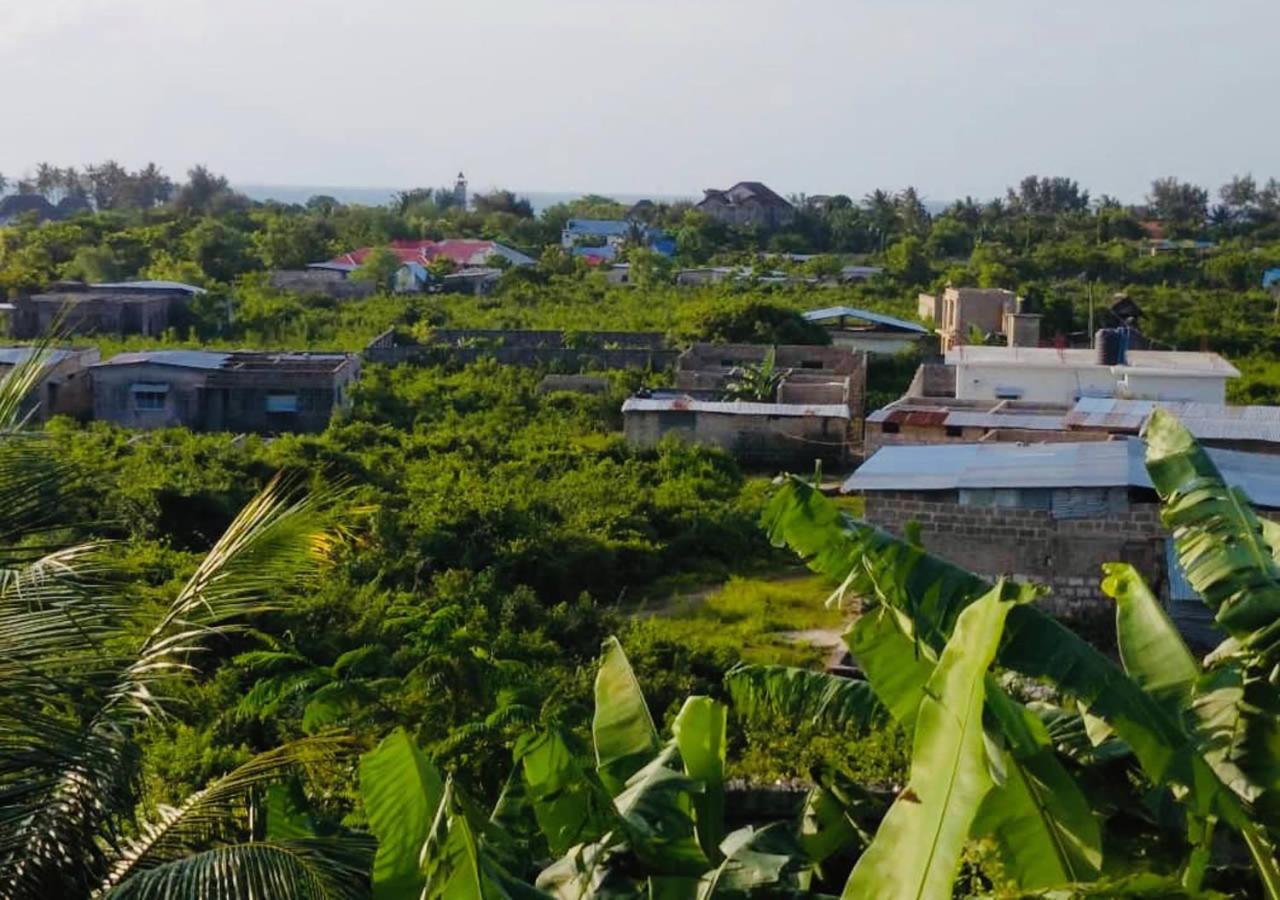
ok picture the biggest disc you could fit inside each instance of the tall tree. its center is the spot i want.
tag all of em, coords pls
(1184, 206)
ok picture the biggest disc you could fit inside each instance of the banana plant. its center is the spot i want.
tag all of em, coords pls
(1219, 759)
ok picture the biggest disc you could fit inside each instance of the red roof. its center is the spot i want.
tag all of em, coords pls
(461, 251)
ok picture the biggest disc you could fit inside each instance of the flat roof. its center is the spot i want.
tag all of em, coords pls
(685, 403)
(1117, 463)
(1179, 362)
(850, 312)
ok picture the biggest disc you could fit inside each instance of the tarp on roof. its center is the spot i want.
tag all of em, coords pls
(842, 312)
(1120, 463)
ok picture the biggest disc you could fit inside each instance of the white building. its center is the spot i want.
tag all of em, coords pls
(1049, 375)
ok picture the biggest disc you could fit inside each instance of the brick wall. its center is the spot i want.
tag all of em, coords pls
(1030, 544)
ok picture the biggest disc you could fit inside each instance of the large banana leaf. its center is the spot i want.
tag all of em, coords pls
(1215, 711)
(763, 861)
(569, 803)
(455, 863)
(625, 738)
(932, 593)
(657, 809)
(1218, 536)
(1041, 820)
(829, 701)
(897, 666)
(916, 851)
(1039, 817)
(1152, 651)
(699, 730)
(402, 791)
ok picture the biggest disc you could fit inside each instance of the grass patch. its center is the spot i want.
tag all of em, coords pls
(750, 616)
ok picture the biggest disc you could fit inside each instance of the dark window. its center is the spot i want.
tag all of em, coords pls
(955, 431)
(148, 401)
(888, 427)
(811, 364)
(675, 419)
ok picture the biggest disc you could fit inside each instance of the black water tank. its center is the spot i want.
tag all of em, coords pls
(1106, 343)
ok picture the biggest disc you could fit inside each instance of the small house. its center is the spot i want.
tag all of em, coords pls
(64, 387)
(870, 332)
(1063, 376)
(776, 434)
(130, 307)
(238, 391)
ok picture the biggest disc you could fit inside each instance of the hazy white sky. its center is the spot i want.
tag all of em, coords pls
(670, 96)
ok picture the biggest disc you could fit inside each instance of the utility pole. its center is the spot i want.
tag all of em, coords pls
(1091, 332)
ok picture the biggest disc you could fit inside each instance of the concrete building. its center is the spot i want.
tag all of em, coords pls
(1049, 375)
(868, 332)
(747, 203)
(958, 310)
(608, 236)
(131, 307)
(322, 280)
(1049, 513)
(777, 434)
(810, 374)
(64, 388)
(223, 391)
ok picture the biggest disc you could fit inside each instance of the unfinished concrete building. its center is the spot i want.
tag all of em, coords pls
(132, 307)
(64, 387)
(238, 391)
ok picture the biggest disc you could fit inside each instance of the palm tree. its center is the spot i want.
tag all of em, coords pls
(78, 685)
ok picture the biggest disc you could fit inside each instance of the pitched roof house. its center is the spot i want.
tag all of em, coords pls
(747, 203)
(462, 252)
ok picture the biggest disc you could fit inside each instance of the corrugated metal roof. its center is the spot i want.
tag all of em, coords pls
(840, 312)
(964, 418)
(151, 286)
(599, 227)
(1120, 463)
(12, 356)
(184, 359)
(1208, 421)
(734, 407)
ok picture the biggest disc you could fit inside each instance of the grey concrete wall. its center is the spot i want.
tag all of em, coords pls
(1064, 554)
(785, 441)
(113, 397)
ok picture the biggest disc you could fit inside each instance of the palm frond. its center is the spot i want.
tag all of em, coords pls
(828, 701)
(314, 869)
(219, 812)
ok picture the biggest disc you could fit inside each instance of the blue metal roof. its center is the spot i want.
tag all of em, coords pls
(850, 312)
(1270, 277)
(941, 467)
(183, 359)
(599, 227)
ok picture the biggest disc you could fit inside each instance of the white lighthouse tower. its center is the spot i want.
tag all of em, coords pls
(460, 191)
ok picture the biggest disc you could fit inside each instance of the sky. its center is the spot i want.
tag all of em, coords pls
(954, 97)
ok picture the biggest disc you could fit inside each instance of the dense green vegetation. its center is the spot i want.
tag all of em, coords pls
(479, 540)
